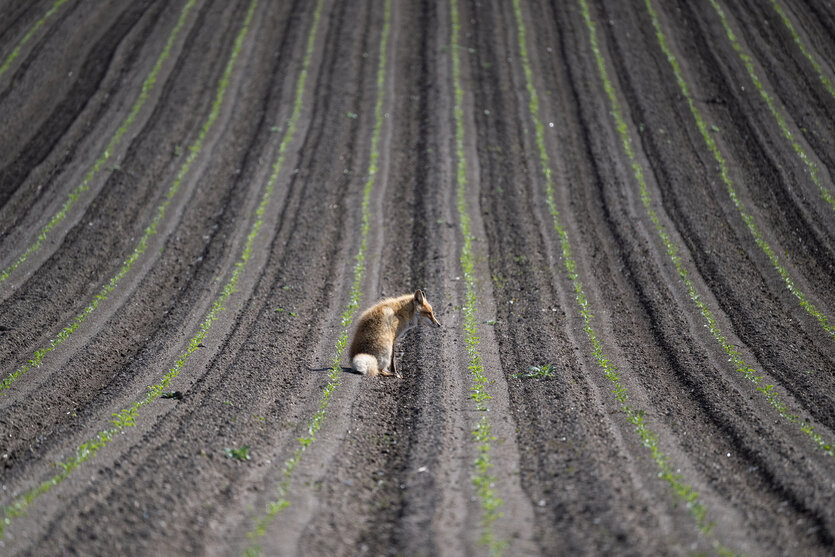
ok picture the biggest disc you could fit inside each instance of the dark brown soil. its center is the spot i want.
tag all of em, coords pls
(390, 472)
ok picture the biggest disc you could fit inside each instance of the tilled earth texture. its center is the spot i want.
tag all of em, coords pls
(622, 212)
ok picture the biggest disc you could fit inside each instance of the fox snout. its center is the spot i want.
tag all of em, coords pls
(434, 322)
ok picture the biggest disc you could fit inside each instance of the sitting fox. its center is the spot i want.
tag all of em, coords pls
(372, 350)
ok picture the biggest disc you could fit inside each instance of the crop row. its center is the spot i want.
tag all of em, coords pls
(673, 250)
(827, 83)
(748, 61)
(127, 416)
(482, 479)
(38, 24)
(280, 502)
(152, 229)
(147, 87)
(635, 416)
(744, 214)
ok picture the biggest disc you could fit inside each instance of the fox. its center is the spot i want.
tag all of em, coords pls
(379, 327)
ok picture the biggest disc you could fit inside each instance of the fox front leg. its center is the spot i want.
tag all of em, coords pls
(387, 363)
(394, 367)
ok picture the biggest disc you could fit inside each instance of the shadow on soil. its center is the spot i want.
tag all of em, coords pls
(350, 370)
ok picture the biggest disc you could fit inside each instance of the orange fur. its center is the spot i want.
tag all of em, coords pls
(372, 350)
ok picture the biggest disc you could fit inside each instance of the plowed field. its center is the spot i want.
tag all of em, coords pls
(622, 211)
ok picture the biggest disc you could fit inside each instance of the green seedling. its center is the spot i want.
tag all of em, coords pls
(127, 417)
(482, 480)
(724, 174)
(648, 438)
(773, 107)
(734, 355)
(803, 48)
(176, 395)
(280, 502)
(237, 454)
(16, 52)
(109, 150)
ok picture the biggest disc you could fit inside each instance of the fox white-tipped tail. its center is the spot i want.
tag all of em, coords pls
(365, 364)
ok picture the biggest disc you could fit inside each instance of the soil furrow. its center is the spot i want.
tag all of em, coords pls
(658, 328)
(19, 20)
(72, 392)
(548, 407)
(310, 295)
(128, 202)
(802, 241)
(814, 24)
(153, 313)
(722, 263)
(397, 458)
(366, 485)
(90, 76)
(146, 90)
(604, 220)
(611, 309)
(805, 98)
(91, 142)
(46, 13)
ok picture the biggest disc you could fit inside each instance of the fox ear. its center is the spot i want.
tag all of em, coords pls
(419, 297)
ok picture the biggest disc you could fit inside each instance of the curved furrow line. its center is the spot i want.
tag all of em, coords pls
(127, 417)
(568, 426)
(16, 52)
(170, 290)
(673, 250)
(394, 464)
(748, 61)
(67, 94)
(147, 86)
(280, 501)
(90, 246)
(300, 96)
(635, 416)
(142, 245)
(482, 479)
(761, 320)
(297, 387)
(701, 411)
(824, 79)
(259, 348)
(746, 217)
(14, 16)
(86, 72)
(736, 418)
(29, 56)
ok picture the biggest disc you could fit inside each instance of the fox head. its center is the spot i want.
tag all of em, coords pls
(424, 309)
